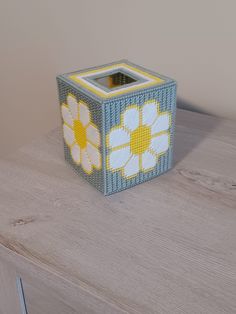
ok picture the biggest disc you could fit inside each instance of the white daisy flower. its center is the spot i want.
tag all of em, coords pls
(136, 144)
(80, 134)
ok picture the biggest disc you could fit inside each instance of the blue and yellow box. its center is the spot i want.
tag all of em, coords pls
(118, 124)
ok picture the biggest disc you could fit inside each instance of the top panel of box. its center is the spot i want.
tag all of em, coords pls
(114, 79)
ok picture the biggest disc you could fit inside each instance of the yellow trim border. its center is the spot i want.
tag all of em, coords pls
(78, 78)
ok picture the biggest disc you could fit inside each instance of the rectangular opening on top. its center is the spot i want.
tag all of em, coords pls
(115, 80)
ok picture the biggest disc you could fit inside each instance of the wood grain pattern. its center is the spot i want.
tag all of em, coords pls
(47, 292)
(165, 246)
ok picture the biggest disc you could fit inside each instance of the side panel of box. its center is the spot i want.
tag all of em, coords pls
(95, 176)
(165, 99)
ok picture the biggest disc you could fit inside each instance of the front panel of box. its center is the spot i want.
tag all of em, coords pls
(139, 137)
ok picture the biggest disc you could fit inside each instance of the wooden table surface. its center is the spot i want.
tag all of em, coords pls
(165, 246)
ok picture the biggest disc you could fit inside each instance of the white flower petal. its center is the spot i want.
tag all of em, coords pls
(118, 158)
(131, 118)
(132, 166)
(93, 135)
(73, 106)
(84, 114)
(149, 113)
(160, 143)
(68, 135)
(162, 123)
(66, 115)
(148, 161)
(94, 155)
(118, 137)
(75, 152)
(86, 163)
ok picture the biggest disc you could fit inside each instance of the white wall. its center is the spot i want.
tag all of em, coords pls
(191, 41)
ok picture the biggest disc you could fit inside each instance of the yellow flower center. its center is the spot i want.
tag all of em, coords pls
(80, 133)
(140, 139)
